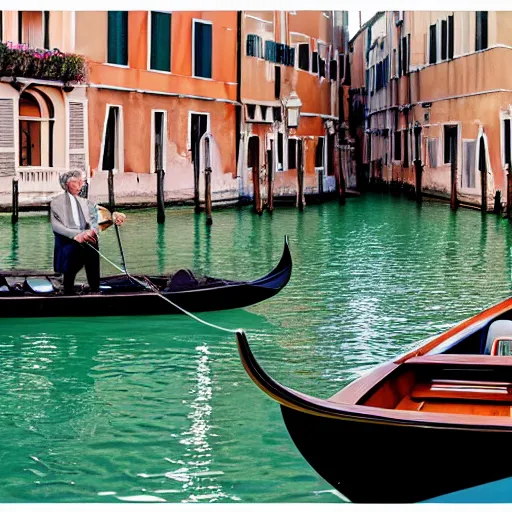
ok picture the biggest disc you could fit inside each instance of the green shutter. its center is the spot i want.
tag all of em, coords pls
(118, 37)
(203, 50)
(160, 41)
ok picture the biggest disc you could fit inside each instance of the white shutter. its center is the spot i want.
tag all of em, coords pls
(7, 144)
(77, 135)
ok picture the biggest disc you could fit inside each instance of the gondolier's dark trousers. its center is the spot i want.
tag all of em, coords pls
(70, 257)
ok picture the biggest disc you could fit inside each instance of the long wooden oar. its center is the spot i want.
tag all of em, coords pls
(104, 221)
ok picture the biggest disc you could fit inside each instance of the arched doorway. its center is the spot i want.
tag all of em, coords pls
(36, 120)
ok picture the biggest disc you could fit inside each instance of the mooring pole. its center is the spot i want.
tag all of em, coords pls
(111, 197)
(300, 175)
(197, 205)
(454, 204)
(509, 192)
(270, 178)
(208, 183)
(15, 200)
(160, 200)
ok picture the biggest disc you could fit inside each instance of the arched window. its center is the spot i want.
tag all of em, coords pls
(36, 120)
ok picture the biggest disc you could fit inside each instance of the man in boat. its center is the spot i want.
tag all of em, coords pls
(75, 223)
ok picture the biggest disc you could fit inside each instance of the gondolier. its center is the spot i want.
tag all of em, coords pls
(75, 226)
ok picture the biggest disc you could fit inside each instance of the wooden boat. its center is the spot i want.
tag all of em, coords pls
(432, 422)
(25, 293)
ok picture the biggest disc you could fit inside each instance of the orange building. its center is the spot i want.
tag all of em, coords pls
(438, 92)
(289, 91)
(237, 91)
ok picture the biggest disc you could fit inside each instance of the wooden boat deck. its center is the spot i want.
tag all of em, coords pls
(447, 383)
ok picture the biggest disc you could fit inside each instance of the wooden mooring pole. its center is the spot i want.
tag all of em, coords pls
(195, 149)
(160, 200)
(208, 183)
(111, 196)
(454, 203)
(270, 181)
(300, 175)
(509, 192)
(15, 201)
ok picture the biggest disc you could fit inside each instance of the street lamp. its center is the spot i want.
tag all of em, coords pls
(293, 105)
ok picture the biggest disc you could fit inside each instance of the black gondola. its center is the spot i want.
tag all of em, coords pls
(26, 293)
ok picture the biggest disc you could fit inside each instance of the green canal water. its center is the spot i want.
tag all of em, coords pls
(160, 409)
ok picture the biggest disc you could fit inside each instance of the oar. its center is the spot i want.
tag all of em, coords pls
(120, 247)
(104, 222)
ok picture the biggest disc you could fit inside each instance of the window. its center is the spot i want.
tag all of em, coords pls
(481, 30)
(405, 54)
(319, 153)
(277, 82)
(314, 62)
(160, 55)
(254, 46)
(468, 175)
(112, 150)
(397, 153)
(432, 53)
(406, 148)
(117, 38)
(46, 16)
(31, 28)
(159, 138)
(432, 152)
(450, 133)
(292, 153)
(304, 56)
(506, 143)
(202, 49)
(444, 39)
(450, 37)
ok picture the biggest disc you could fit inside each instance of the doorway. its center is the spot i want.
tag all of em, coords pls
(198, 127)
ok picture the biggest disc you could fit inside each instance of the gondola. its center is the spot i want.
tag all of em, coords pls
(25, 293)
(433, 424)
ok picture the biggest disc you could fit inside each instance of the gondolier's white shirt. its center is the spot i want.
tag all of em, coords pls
(74, 209)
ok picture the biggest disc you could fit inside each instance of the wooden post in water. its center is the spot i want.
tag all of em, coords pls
(509, 192)
(111, 197)
(454, 203)
(160, 200)
(208, 183)
(270, 178)
(300, 174)
(15, 200)
(195, 149)
(418, 167)
(482, 165)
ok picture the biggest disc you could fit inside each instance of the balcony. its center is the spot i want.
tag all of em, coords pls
(20, 61)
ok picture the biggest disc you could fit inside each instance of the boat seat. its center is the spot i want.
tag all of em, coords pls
(498, 329)
(183, 279)
(38, 285)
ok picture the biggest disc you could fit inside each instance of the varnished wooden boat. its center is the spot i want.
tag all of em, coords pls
(26, 293)
(432, 422)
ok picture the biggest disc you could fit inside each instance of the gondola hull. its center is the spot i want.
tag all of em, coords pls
(432, 423)
(215, 295)
(377, 463)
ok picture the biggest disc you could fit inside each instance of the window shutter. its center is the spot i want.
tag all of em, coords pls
(77, 136)
(160, 41)
(118, 37)
(433, 45)
(203, 49)
(7, 147)
(450, 37)
(444, 39)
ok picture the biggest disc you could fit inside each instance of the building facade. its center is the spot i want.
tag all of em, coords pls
(239, 92)
(290, 95)
(437, 114)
